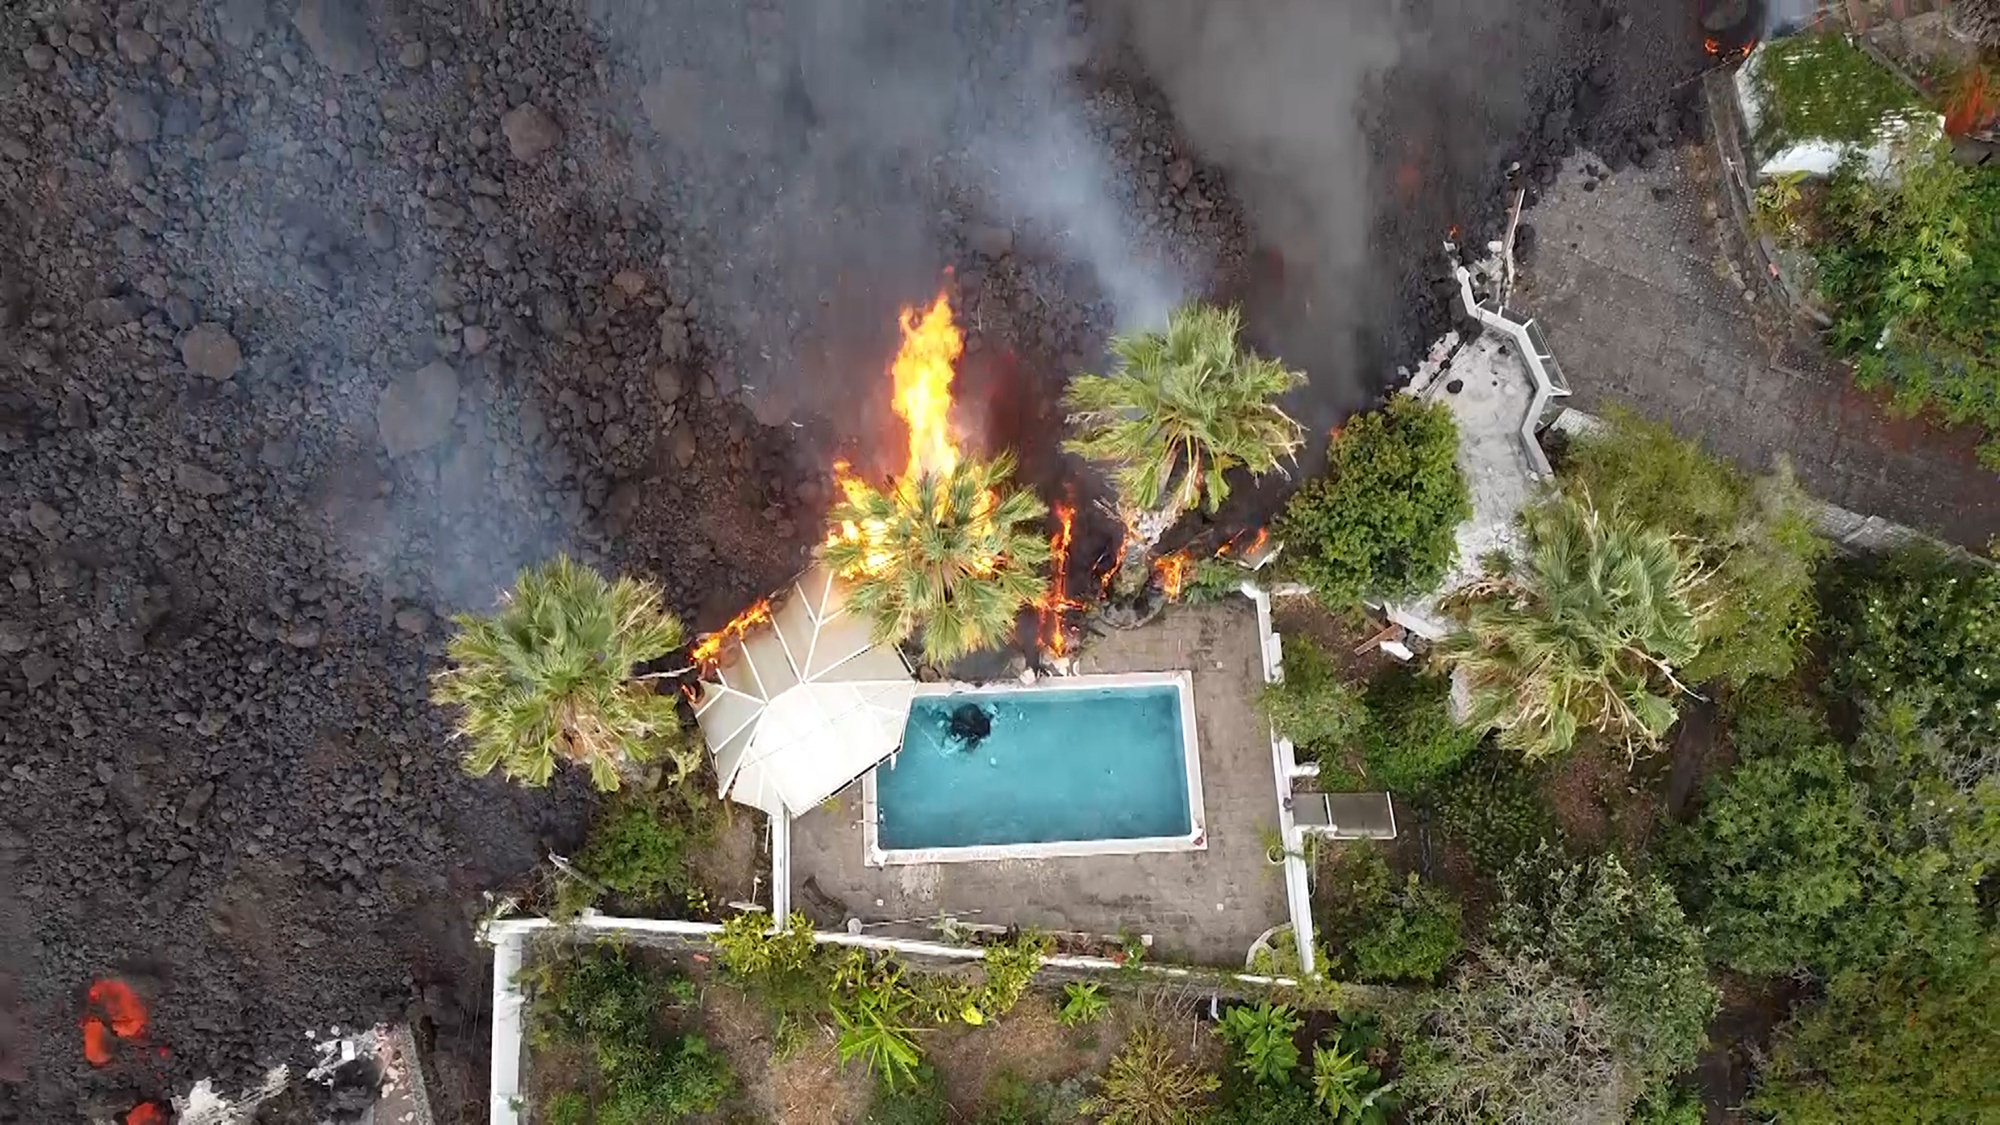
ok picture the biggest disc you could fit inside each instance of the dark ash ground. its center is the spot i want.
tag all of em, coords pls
(319, 317)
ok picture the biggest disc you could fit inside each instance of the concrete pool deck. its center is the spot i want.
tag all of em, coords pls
(1202, 906)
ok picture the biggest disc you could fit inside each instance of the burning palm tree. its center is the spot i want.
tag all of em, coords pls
(1180, 409)
(548, 678)
(954, 553)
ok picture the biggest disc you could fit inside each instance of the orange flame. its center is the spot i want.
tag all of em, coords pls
(115, 1010)
(145, 1113)
(710, 647)
(1055, 603)
(1173, 572)
(923, 372)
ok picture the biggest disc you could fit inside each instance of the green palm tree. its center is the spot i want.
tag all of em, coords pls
(1180, 409)
(1586, 634)
(955, 554)
(548, 678)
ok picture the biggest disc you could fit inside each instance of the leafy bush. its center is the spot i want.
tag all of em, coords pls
(1492, 808)
(1147, 1085)
(1414, 939)
(1263, 1040)
(1912, 271)
(1263, 1103)
(569, 1107)
(874, 1029)
(642, 844)
(1348, 1089)
(921, 1101)
(1813, 856)
(1082, 1003)
(1895, 1045)
(784, 971)
(1311, 705)
(1382, 522)
(1408, 737)
(1920, 632)
(1668, 1105)
(1511, 1039)
(1753, 540)
(1010, 966)
(611, 1007)
(1774, 862)
(1012, 1101)
(1626, 940)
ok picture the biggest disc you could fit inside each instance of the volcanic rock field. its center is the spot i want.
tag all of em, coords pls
(318, 318)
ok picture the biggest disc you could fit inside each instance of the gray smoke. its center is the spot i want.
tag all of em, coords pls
(829, 151)
(1280, 94)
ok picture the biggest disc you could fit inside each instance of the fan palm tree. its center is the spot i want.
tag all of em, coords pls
(547, 678)
(1586, 634)
(955, 554)
(1180, 409)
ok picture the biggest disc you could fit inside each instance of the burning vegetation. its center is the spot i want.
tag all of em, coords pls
(950, 547)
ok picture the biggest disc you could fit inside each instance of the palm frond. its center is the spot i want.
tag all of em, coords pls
(548, 678)
(956, 555)
(1181, 408)
(1586, 635)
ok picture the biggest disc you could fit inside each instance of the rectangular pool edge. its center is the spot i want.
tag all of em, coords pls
(1196, 839)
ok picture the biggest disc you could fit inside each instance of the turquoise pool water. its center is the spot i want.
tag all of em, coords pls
(1032, 767)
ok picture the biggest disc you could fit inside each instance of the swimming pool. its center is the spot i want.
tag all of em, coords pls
(1085, 765)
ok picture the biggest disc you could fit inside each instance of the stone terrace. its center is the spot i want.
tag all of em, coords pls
(1205, 907)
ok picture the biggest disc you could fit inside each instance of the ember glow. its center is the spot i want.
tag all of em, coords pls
(114, 1011)
(1056, 602)
(145, 1113)
(710, 647)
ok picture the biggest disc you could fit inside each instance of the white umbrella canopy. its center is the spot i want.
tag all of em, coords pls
(803, 703)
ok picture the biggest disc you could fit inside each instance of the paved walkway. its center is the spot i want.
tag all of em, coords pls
(1204, 907)
(1633, 289)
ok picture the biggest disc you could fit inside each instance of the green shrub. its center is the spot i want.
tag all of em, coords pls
(570, 1107)
(1082, 1003)
(1493, 809)
(1753, 538)
(1511, 1039)
(1146, 1084)
(612, 1008)
(1347, 1089)
(921, 1101)
(1626, 940)
(1408, 738)
(642, 844)
(1899, 1044)
(1012, 1101)
(1382, 522)
(1263, 1040)
(1010, 966)
(681, 1080)
(784, 971)
(1414, 939)
(1668, 1105)
(1263, 1103)
(1312, 706)
(1920, 632)
(1912, 271)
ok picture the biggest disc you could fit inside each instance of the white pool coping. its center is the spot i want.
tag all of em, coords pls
(1195, 839)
